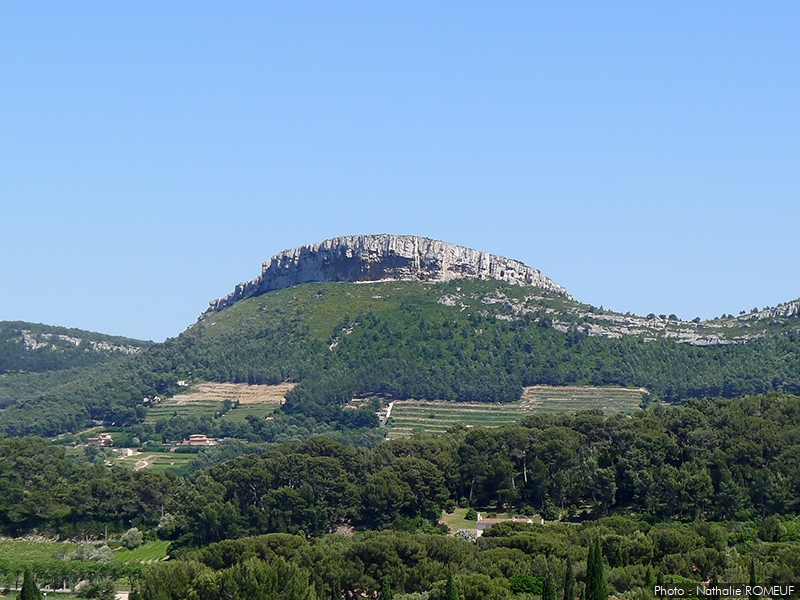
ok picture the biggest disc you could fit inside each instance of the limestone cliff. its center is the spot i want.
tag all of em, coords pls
(360, 258)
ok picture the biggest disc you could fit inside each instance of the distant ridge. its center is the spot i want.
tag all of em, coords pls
(384, 257)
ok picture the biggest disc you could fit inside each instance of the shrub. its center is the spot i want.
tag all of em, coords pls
(525, 584)
(472, 515)
(132, 538)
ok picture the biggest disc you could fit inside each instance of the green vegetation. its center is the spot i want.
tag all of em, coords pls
(37, 348)
(26, 552)
(675, 493)
(611, 555)
(40, 489)
(502, 403)
(406, 340)
(413, 416)
(149, 552)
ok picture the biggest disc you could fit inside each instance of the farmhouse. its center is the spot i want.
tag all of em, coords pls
(199, 439)
(103, 440)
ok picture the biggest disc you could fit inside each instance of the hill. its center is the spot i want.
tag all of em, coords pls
(36, 348)
(399, 317)
(35, 358)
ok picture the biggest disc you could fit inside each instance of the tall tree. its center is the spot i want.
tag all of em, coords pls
(548, 587)
(569, 582)
(386, 590)
(595, 578)
(29, 590)
(450, 591)
(753, 580)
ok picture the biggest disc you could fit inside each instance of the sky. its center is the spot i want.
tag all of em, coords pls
(152, 155)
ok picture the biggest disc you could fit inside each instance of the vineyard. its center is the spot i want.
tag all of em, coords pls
(412, 416)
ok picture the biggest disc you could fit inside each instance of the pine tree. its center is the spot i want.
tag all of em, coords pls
(569, 582)
(29, 590)
(548, 588)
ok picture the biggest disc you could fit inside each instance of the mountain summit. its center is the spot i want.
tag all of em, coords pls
(384, 257)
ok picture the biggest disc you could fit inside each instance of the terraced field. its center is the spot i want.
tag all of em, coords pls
(209, 399)
(549, 399)
(411, 416)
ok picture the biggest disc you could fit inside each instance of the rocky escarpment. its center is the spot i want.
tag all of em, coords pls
(362, 258)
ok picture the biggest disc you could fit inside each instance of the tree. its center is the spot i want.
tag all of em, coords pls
(132, 538)
(450, 591)
(650, 579)
(595, 579)
(548, 588)
(29, 590)
(753, 580)
(386, 590)
(569, 581)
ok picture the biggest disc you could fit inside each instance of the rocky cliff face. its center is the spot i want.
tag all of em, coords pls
(361, 258)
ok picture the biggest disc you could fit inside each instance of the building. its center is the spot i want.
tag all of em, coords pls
(199, 439)
(104, 440)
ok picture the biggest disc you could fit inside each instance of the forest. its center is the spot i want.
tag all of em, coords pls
(704, 491)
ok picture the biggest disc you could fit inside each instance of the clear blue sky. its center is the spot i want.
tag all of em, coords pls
(152, 155)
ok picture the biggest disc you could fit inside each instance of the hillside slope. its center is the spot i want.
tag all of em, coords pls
(436, 337)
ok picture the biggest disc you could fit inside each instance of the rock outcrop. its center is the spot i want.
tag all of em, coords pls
(361, 258)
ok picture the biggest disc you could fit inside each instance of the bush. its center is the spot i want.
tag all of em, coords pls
(132, 538)
(167, 528)
(550, 512)
(103, 590)
(463, 502)
(88, 553)
(771, 530)
(472, 515)
(525, 584)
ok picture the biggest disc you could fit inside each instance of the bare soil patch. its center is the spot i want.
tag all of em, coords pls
(244, 393)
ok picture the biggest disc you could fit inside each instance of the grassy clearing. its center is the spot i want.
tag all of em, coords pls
(456, 520)
(22, 551)
(147, 553)
(209, 399)
(28, 551)
(412, 416)
(158, 461)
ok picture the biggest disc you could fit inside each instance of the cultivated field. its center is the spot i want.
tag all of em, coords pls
(549, 399)
(27, 552)
(157, 461)
(411, 416)
(209, 399)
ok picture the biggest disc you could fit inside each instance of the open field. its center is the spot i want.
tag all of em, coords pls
(23, 551)
(26, 552)
(146, 553)
(456, 520)
(550, 399)
(410, 416)
(209, 399)
(158, 461)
